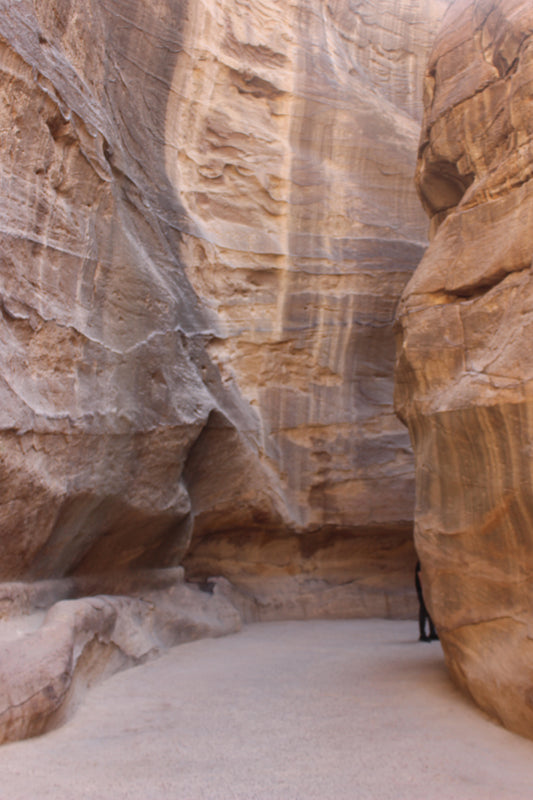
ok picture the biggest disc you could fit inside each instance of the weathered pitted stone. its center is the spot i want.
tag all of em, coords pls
(465, 368)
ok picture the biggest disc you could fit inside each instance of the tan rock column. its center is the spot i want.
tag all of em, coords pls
(465, 367)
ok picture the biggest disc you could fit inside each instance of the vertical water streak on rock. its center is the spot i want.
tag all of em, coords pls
(294, 160)
(152, 219)
(101, 399)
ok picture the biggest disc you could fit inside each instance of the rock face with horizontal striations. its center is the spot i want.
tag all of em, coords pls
(207, 218)
(465, 368)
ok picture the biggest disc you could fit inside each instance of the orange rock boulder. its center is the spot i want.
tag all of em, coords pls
(465, 365)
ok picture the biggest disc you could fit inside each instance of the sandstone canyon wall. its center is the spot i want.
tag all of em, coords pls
(295, 161)
(465, 367)
(207, 219)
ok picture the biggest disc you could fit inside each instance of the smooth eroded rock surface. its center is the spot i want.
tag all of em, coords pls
(465, 368)
(207, 218)
(68, 637)
(295, 161)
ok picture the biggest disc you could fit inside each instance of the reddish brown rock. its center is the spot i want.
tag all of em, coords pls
(465, 367)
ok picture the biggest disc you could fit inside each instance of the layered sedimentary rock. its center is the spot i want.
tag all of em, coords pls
(207, 217)
(295, 161)
(465, 368)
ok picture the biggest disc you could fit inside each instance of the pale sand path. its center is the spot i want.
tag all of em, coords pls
(348, 710)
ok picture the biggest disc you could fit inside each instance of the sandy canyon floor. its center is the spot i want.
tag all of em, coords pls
(350, 710)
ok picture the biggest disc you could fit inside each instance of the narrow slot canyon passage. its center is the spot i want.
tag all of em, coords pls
(351, 710)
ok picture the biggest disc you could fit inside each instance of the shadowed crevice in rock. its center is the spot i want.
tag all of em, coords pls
(441, 186)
